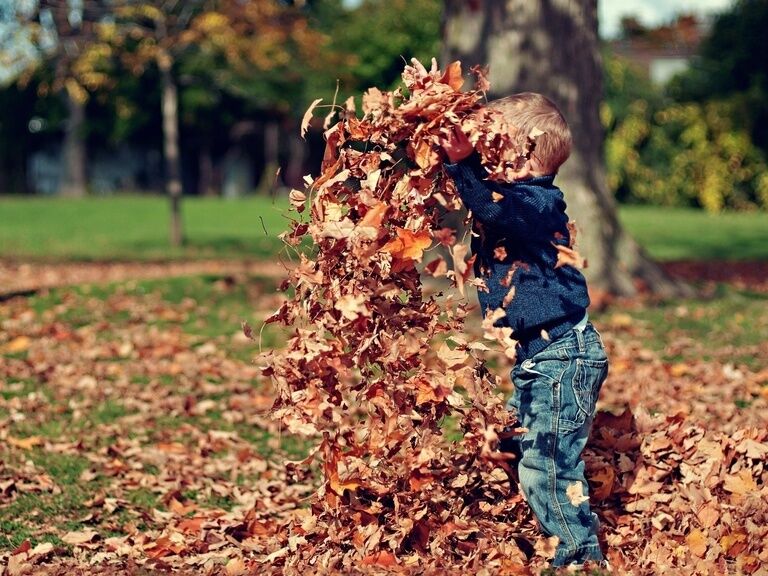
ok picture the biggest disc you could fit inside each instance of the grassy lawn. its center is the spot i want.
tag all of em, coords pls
(684, 234)
(136, 227)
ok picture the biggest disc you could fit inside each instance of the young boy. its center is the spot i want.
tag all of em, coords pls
(561, 363)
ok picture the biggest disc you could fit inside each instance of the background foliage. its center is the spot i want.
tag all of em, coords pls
(700, 141)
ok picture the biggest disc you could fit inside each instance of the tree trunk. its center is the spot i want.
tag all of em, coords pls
(73, 155)
(205, 163)
(294, 171)
(170, 110)
(270, 177)
(551, 47)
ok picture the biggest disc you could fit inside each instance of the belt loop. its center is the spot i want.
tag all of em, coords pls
(580, 339)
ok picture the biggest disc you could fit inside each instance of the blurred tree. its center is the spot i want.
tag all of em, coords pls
(678, 154)
(381, 36)
(264, 54)
(144, 34)
(57, 33)
(733, 64)
(254, 50)
(552, 47)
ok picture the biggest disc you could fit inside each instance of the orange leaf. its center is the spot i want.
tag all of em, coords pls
(374, 216)
(425, 155)
(602, 483)
(697, 542)
(568, 257)
(337, 484)
(382, 558)
(742, 483)
(453, 76)
(25, 443)
(18, 344)
(191, 525)
(408, 245)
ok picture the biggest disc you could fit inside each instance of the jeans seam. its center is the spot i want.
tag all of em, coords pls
(553, 466)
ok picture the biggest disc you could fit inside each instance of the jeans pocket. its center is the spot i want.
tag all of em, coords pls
(580, 392)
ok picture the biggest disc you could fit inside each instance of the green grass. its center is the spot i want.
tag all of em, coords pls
(727, 326)
(136, 227)
(687, 234)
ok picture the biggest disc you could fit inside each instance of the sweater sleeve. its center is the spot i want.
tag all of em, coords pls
(511, 213)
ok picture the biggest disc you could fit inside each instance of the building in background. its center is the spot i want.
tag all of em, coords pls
(661, 52)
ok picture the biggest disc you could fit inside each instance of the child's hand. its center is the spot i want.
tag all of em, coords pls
(457, 146)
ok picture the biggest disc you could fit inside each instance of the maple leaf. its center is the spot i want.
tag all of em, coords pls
(408, 245)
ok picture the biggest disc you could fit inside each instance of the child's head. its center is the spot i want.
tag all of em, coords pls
(529, 110)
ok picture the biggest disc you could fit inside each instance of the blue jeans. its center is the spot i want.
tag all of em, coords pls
(555, 395)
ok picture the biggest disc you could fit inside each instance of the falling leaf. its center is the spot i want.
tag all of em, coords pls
(297, 199)
(452, 358)
(575, 493)
(308, 117)
(568, 257)
(408, 245)
(351, 306)
(453, 76)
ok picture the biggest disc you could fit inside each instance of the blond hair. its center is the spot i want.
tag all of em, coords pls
(528, 110)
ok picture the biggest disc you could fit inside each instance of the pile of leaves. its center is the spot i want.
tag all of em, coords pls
(357, 372)
(375, 367)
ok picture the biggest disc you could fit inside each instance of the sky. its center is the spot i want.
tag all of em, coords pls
(651, 12)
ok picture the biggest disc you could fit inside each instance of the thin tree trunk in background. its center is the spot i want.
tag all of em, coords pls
(73, 154)
(271, 159)
(551, 46)
(294, 171)
(170, 110)
(206, 172)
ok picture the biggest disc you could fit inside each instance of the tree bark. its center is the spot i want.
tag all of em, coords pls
(170, 112)
(73, 154)
(270, 177)
(294, 171)
(551, 47)
(205, 163)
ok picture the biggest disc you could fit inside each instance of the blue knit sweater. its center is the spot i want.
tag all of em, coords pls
(513, 241)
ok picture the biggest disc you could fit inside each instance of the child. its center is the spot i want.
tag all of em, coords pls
(561, 363)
